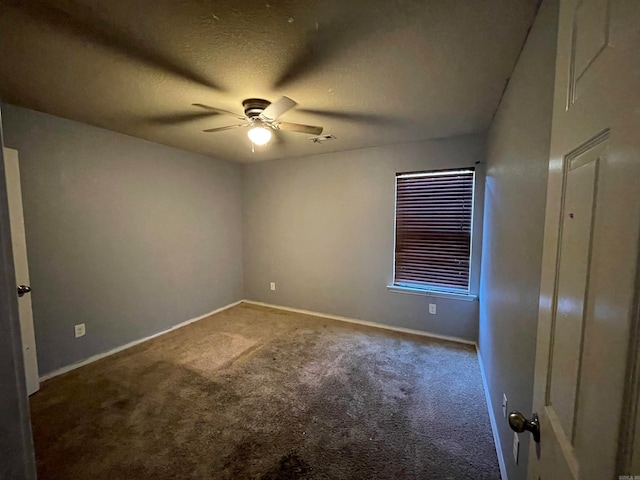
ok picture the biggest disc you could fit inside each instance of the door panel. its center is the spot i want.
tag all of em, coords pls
(590, 260)
(20, 261)
(589, 45)
(568, 326)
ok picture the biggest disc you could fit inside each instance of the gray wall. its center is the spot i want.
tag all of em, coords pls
(515, 197)
(322, 228)
(124, 235)
(16, 457)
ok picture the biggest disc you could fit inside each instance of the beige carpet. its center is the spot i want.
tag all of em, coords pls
(256, 393)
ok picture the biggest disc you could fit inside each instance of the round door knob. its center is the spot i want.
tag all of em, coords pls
(22, 289)
(519, 423)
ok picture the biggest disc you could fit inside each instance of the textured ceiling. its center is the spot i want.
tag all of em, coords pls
(370, 72)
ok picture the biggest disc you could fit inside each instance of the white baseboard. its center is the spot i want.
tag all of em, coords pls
(492, 418)
(99, 356)
(363, 322)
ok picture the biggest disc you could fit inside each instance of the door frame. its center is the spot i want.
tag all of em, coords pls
(628, 449)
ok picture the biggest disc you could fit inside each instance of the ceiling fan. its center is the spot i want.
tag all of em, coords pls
(260, 117)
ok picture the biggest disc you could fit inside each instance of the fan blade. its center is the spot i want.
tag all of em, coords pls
(297, 127)
(276, 109)
(219, 110)
(228, 127)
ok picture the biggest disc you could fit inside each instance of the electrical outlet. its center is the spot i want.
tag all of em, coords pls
(273, 285)
(516, 447)
(504, 405)
(432, 308)
(80, 330)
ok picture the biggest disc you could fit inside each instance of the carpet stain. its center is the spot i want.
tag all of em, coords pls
(290, 467)
(257, 393)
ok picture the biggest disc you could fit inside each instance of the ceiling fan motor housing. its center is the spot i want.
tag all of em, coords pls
(260, 114)
(253, 107)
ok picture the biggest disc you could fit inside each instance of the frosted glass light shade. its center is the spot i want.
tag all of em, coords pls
(259, 135)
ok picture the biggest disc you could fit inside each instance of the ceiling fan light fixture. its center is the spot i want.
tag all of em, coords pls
(259, 135)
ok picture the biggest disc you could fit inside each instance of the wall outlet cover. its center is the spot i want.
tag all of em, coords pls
(432, 308)
(273, 285)
(80, 330)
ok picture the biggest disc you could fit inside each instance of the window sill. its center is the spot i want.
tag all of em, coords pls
(433, 293)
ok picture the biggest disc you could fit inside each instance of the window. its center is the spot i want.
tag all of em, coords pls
(434, 217)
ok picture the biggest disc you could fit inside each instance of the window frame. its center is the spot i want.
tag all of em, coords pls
(437, 291)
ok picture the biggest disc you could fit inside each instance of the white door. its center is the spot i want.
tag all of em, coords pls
(18, 242)
(586, 364)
